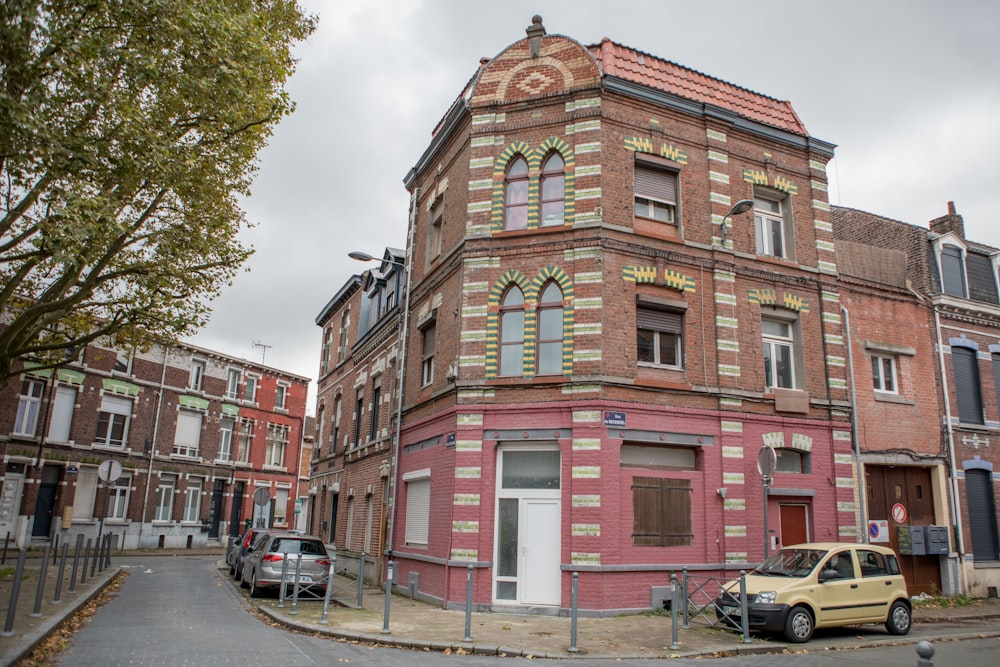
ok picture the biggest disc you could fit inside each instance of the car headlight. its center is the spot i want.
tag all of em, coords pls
(766, 597)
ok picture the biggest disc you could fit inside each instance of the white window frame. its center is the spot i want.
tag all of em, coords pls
(85, 493)
(63, 406)
(227, 427)
(118, 497)
(196, 380)
(187, 439)
(245, 440)
(418, 506)
(277, 444)
(251, 384)
(233, 377)
(115, 408)
(281, 395)
(163, 509)
(29, 407)
(766, 221)
(885, 365)
(771, 343)
(646, 203)
(192, 499)
(281, 505)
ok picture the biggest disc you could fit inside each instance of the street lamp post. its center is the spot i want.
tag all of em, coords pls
(403, 338)
(742, 206)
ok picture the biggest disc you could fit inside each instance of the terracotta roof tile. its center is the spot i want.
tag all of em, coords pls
(648, 70)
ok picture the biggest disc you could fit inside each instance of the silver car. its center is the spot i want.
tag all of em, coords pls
(265, 559)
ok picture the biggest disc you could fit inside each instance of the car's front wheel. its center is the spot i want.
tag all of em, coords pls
(799, 625)
(899, 620)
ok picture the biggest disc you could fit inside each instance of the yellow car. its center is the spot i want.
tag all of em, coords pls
(820, 585)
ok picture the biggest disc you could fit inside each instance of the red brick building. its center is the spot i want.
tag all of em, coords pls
(195, 434)
(356, 408)
(925, 319)
(603, 339)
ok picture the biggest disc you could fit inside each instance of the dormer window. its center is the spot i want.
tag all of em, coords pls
(953, 271)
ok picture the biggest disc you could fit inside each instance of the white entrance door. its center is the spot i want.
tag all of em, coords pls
(540, 580)
(528, 537)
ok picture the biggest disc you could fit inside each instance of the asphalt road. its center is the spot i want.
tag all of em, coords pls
(182, 610)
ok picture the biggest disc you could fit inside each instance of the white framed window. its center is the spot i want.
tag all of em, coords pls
(246, 440)
(659, 337)
(655, 194)
(250, 387)
(552, 191)
(233, 376)
(953, 278)
(345, 325)
(427, 355)
(226, 427)
(164, 507)
(192, 499)
(375, 409)
(418, 506)
(779, 353)
(770, 227)
(119, 497)
(512, 333)
(277, 441)
(281, 396)
(112, 421)
(549, 336)
(324, 361)
(187, 438)
(281, 505)
(197, 379)
(123, 361)
(435, 232)
(62, 414)
(28, 405)
(85, 494)
(884, 374)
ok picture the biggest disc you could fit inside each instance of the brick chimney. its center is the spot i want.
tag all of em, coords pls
(535, 33)
(952, 222)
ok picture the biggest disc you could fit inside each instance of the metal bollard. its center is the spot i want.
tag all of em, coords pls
(6, 542)
(361, 580)
(76, 564)
(15, 592)
(674, 603)
(86, 556)
(390, 574)
(744, 611)
(55, 549)
(468, 606)
(41, 583)
(329, 588)
(684, 596)
(57, 598)
(925, 651)
(295, 586)
(572, 623)
(284, 577)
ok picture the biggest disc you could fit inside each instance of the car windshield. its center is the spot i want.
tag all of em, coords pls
(291, 545)
(790, 563)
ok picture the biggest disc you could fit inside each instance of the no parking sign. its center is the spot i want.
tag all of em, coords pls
(878, 530)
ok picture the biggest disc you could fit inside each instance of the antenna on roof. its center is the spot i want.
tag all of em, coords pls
(263, 349)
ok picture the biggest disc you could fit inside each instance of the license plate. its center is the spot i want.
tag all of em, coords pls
(305, 577)
(731, 611)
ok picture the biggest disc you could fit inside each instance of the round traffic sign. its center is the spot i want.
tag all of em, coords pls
(261, 497)
(899, 513)
(767, 461)
(109, 470)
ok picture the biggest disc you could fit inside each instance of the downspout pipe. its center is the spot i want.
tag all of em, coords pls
(855, 437)
(953, 496)
(403, 337)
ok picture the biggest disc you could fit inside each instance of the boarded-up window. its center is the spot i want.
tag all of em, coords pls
(661, 512)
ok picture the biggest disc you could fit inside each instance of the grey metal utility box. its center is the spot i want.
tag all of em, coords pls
(936, 540)
(911, 541)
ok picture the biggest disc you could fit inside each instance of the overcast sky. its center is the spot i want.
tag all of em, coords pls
(908, 90)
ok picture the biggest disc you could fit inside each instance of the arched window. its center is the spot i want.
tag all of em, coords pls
(516, 195)
(550, 330)
(512, 333)
(553, 190)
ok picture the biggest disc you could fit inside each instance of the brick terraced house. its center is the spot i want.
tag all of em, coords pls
(629, 271)
(196, 434)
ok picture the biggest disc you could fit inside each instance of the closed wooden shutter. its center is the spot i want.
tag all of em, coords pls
(970, 399)
(982, 516)
(661, 511)
(982, 278)
(656, 184)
